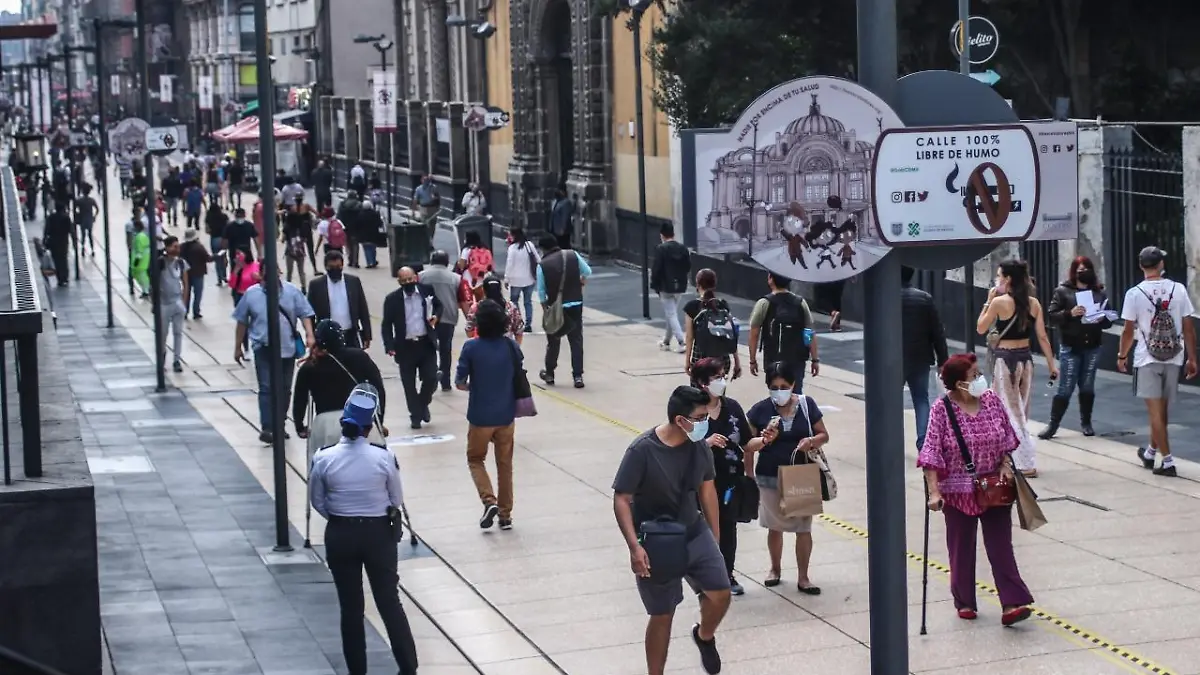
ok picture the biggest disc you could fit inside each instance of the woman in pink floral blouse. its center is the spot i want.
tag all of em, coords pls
(990, 439)
(493, 289)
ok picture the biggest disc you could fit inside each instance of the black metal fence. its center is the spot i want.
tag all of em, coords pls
(1042, 259)
(1143, 196)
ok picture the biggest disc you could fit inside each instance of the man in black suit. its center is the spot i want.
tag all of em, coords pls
(340, 297)
(409, 317)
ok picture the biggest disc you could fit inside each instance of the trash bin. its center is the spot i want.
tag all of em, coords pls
(464, 224)
(408, 244)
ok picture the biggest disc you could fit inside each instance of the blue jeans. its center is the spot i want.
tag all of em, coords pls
(369, 252)
(218, 245)
(262, 369)
(1077, 367)
(197, 284)
(917, 379)
(527, 291)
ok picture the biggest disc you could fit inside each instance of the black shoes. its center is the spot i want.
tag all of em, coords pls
(177, 367)
(1147, 463)
(579, 383)
(710, 658)
(506, 524)
(416, 424)
(425, 415)
(1168, 471)
(547, 377)
(490, 511)
(1086, 402)
(1058, 408)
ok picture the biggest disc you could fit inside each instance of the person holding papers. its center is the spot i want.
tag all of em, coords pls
(1079, 309)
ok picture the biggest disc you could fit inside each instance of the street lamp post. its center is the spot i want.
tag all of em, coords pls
(639, 8)
(151, 212)
(382, 44)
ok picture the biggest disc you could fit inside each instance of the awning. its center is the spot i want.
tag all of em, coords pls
(290, 114)
(250, 108)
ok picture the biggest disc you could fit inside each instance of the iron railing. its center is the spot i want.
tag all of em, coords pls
(1042, 259)
(1143, 197)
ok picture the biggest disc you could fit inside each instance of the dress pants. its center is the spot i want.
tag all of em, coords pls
(417, 359)
(478, 439)
(574, 335)
(445, 339)
(997, 541)
(352, 545)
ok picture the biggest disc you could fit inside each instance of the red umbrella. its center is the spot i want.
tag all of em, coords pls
(248, 133)
(223, 132)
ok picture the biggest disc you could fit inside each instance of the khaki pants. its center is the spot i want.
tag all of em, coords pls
(478, 439)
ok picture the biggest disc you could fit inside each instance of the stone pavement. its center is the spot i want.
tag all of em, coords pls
(1113, 572)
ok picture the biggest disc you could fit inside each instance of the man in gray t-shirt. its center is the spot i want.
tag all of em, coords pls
(664, 473)
(174, 295)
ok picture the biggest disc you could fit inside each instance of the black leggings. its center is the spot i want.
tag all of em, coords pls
(728, 541)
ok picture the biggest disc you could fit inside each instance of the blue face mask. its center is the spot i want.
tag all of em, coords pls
(699, 430)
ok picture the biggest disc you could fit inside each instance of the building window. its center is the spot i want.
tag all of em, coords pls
(308, 41)
(856, 189)
(246, 27)
(295, 43)
(816, 186)
(283, 46)
(778, 189)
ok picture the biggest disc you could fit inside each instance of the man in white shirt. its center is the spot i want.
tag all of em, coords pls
(340, 297)
(1160, 312)
(410, 318)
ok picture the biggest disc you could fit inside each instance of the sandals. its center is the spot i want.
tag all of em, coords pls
(773, 580)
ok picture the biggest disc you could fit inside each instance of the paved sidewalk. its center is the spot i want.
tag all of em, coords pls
(1114, 573)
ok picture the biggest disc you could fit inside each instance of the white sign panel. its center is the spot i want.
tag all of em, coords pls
(790, 184)
(383, 101)
(166, 139)
(1058, 152)
(165, 91)
(115, 84)
(442, 128)
(204, 91)
(939, 185)
(128, 139)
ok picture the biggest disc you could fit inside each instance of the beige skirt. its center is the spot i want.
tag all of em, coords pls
(326, 430)
(771, 517)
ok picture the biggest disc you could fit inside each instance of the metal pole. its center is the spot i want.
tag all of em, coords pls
(391, 140)
(964, 67)
(71, 156)
(102, 179)
(886, 559)
(272, 283)
(641, 154)
(151, 212)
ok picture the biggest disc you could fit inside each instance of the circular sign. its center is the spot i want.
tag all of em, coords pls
(983, 38)
(790, 184)
(128, 139)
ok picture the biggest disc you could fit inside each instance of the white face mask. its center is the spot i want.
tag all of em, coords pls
(717, 387)
(781, 396)
(977, 386)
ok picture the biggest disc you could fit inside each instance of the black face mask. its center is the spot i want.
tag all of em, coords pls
(1087, 277)
(334, 273)
(409, 288)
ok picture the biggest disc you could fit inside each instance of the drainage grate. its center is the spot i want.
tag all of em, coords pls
(1076, 500)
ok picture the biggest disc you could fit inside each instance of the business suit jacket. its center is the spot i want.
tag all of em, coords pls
(360, 311)
(393, 328)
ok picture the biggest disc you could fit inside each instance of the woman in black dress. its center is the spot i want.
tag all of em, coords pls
(727, 430)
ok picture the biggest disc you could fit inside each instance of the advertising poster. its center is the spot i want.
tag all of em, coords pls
(790, 184)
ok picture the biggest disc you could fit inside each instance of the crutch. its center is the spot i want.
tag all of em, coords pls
(925, 560)
(404, 515)
(308, 416)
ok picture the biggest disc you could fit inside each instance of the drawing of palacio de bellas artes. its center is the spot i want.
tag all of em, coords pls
(812, 159)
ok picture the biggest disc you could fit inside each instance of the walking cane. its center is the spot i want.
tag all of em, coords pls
(308, 415)
(925, 561)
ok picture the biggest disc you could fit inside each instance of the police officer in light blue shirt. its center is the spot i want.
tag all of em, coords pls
(354, 485)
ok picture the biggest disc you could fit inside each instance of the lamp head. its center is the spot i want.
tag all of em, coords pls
(456, 21)
(384, 45)
(484, 30)
(367, 39)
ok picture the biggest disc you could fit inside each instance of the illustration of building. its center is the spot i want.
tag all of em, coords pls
(813, 158)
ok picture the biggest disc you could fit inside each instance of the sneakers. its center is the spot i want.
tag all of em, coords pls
(1147, 457)
(664, 346)
(506, 524)
(1168, 464)
(490, 511)
(735, 588)
(547, 377)
(579, 383)
(177, 367)
(710, 658)
(1166, 470)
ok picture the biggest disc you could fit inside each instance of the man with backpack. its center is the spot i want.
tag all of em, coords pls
(781, 326)
(1160, 311)
(669, 278)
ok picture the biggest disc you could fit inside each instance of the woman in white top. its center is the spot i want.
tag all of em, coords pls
(520, 272)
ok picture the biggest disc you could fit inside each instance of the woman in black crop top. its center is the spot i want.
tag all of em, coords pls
(1016, 315)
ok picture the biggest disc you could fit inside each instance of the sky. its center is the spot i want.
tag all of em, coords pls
(10, 5)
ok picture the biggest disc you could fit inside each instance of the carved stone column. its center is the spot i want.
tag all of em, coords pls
(439, 53)
(589, 182)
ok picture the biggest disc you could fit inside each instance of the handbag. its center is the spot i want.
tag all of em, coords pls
(744, 501)
(522, 392)
(992, 489)
(993, 341)
(665, 539)
(554, 320)
(297, 338)
(829, 489)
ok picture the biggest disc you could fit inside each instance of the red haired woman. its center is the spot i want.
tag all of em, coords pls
(1079, 343)
(987, 437)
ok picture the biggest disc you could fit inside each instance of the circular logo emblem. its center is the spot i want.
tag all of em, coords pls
(983, 39)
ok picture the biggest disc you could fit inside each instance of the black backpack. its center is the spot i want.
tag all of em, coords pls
(714, 329)
(784, 324)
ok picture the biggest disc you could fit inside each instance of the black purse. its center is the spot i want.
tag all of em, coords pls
(744, 501)
(665, 539)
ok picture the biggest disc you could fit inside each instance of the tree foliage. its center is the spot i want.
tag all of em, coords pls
(1121, 60)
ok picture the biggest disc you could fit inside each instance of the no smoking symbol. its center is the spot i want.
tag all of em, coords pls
(995, 207)
(168, 140)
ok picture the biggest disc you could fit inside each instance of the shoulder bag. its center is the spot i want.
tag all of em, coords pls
(993, 341)
(992, 489)
(522, 392)
(297, 338)
(554, 321)
(665, 538)
(829, 487)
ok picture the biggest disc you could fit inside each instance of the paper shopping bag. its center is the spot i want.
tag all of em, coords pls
(800, 490)
(1029, 513)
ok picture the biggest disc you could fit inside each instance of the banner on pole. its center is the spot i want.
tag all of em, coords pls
(204, 90)
(115, 84)
(165, 91)
(383, 97)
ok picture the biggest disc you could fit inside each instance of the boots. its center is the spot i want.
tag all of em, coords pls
(1086, 401)
(1058, 407)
